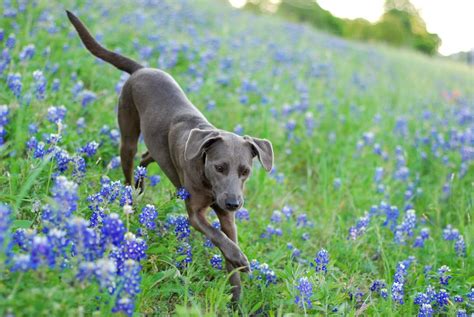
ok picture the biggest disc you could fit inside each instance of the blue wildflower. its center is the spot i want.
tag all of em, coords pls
(321, 260)
(216, 261)
(443, 275)
(87, 98)
(242, 214)
(460, 247)
(140, 173)
(154, 180)
(133, 248)
(182, 193)
(147, 217)
(185, 255)
(305, 289)
(90, 148)
(5, 223)
(442, 298)
(425, 310)
(40, 84)
(113, 229)
(56, 114)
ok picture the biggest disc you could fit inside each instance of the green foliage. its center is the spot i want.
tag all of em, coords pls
(400, 25)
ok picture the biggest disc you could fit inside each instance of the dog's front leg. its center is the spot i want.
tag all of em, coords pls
(227, 221)
(230, 250)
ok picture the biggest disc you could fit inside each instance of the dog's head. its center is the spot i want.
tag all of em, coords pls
(227, 161)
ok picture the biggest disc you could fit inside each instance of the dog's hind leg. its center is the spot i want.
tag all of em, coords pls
(146, 159)
(129, 123)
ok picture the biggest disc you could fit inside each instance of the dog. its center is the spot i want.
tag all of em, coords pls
(211, 164)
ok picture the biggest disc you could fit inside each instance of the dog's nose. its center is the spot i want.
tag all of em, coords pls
(232, 203)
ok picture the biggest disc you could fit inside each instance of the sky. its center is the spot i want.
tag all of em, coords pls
(452, 20)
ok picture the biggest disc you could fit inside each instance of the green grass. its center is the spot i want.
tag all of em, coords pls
(393, 84)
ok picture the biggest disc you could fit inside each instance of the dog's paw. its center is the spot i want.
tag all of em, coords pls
(239, 261)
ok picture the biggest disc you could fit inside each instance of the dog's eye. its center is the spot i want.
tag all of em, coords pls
(220, 168)
(245, 172)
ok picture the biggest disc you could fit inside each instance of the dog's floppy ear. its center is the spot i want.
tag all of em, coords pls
(198, 141)
(263, 149)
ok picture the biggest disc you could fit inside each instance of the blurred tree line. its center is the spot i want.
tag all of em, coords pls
(401, 24)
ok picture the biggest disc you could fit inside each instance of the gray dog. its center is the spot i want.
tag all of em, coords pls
(211, 164)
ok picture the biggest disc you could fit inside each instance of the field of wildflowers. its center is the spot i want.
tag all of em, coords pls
(368, 210)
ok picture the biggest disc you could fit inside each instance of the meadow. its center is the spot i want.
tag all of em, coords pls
(368, 210)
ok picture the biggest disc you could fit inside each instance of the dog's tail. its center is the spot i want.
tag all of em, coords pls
(119, 61)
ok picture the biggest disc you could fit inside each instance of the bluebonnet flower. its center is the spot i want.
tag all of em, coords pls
(147, 217)
(65, 197)
(460, 246)
(321, 260)
(337, 183)
(391, 214)
(185, 255)
(85, 241)
(305, 289)
(40, 84)
(397, 292)
(126, 198)
(305, 236)
(216, 261)
(287, 211)
(11, 41)
(90, 148)
(77, 88)
(41, 253)
(133, 248)
(270, 231)
(27, 52)
(302, 220)
(21, 262)
(87, 97)
(470, 295)
(405, 229)
(124, 304)
(114, 163)
(458, 299)
(379, 287)
(140, 173)
(239, 129)
(266, 274)
(81, 125)
(113, 229)
(276, 216)
(425, 310)
(105, 271)
(55, 85)
(62, 160)
(378, 175)
(154, 180)
(360, 228)
(442, 298)
(242, 214)
(15, 84)
(5, 223)
(32, 128)
(131, 278)
(443, 275)
(182, 193)
(450, 233)
(461, 313)
(421, 298)
(399, 280)
(181, 227)
(4, 112)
